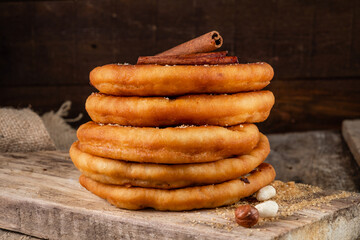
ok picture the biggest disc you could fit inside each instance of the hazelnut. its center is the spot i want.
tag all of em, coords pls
(246, 215)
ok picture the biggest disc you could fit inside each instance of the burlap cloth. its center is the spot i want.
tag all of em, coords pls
(22, 130)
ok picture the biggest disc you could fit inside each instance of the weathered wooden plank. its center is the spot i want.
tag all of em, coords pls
(332, 37)
(293, 36)
(302, 105)
(351, 133)
(16, 19)
(54, 22)
(168, 36)
(320, 158)
(218, 15)
(46, 52)
(278, 33)
(41, 196)
(135, 21)
(14, 55)
(39, 63)
(95, 21)
(355, 40)
(301, 39)
(10, 235)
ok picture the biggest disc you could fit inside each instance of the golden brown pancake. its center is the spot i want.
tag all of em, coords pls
(170, 145)
(156, 80)
(168, 176)
(208, 196)
(219, 110)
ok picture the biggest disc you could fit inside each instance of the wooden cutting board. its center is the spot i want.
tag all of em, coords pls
(351, 133)
(40, 196)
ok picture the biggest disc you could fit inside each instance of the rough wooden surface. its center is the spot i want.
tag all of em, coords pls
(351, 134)
(10, 235)
(319, 158)
(41, 196)
(314, 47)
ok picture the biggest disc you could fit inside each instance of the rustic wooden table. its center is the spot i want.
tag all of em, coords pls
(320, 158)
(40, 196)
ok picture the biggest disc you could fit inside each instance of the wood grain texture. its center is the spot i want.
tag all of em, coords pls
(314, 48)
(302, 105)
(300, 39)
(10, 235)
(319, 158)
(351, 133)
(41, 197)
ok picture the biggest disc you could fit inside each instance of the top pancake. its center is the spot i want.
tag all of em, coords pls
(156, 80)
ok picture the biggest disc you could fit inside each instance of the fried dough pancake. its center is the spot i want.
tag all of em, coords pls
(156, 80)
(208, 196)
(167, 145)
(168, 176)
(219, 110)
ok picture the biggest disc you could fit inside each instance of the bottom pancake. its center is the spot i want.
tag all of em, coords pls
(152, 175)
(208, 196)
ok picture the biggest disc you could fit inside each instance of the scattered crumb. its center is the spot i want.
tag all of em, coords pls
(291, 198)
(185, 126)
(111, 124)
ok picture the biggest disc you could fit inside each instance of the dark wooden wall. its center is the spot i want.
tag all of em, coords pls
(47, 49)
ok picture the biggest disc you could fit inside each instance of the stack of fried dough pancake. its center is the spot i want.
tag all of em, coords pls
(175, 137)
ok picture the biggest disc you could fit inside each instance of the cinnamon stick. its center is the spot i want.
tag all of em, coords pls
(172, 58)
(206, 54)
(188, 60)
(205, 43)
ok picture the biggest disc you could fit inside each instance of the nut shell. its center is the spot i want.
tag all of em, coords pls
(246, 215)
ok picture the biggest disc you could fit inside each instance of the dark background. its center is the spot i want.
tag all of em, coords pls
(48, 48)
